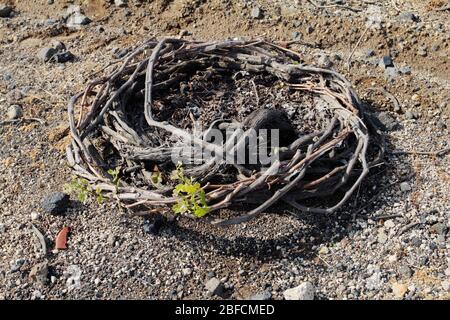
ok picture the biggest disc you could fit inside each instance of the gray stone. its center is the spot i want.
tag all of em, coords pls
(121, 3)
(445, 285)
(405, 70)
(14, 96)
(47, 53)
(186, 271)
(409, 115)
(304, 291)
(34, 215)
(390, 73)
(423, 261)
(385, 62)
(121, 53)
(64, 57)
(17, 264)
(408, 17)
(265, 295)
(435, 47)
(439, 228)
(405, 187)
(49, 22)
(55, 203)
(422, 52)
(58, 45)
(370, 53)
(39, 273)
(388, 122)
(442, 243)
(442, 125)
(256, 13)
(73, 9)
(336, 57)
(323, 250)
(100, 29)
(77, 20)
(73, 274)
(215, 287)
(5, 11)
(153, 226)
(111, 240)
(296, 35)
(324, 61)
(416, 242)
(389, 224)
(447, 272)
(405, 271)
(374, 282)
(382, 237)
(14, 112)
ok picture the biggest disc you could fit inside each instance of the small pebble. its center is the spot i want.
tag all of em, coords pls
(17, 264)
(382, 237)
(304, 291)
(325, 62)
(14, 112)
(405, 70)
(5, 11)
(46, 54)
(439, 228)
(422, 52)
(77, 20)
(153, 227)
(405, 187)
(409, 115)
(121, 3)
(399, 289)
(387, 121)
(389, 224)
(256, 13)
(408, 17)
(262, 296)
(370, 53)
(296, 35)
(386, 62)
(323, 250)
(55, 203)
(186, 271)
(405, 271)
(215, 287)
(73, 8)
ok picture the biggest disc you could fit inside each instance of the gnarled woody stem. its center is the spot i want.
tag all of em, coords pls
(292, 179)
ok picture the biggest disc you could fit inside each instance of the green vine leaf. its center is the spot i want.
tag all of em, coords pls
(82, 190)
(114, 173)
(191, 197)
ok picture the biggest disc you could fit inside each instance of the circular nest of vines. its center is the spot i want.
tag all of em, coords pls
(127, 124)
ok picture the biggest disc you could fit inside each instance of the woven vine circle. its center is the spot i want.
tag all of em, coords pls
(124, 120)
